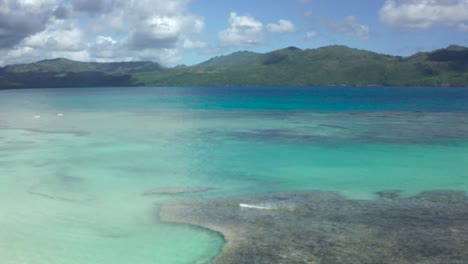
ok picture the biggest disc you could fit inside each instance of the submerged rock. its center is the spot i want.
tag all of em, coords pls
(174, 191)
(389, 194)
(326, 228)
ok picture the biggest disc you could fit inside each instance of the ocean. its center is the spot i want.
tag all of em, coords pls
(84, 170)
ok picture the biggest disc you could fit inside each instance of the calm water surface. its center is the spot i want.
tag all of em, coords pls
(75, 162)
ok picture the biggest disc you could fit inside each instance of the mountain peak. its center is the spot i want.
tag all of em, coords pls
(234, 59)
(59, 59)
(456, 48)
(292, 48)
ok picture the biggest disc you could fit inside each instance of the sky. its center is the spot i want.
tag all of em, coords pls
(173, 32)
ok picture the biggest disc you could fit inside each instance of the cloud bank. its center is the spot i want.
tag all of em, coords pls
(282, 26)
(349, 26)
(22, 18)
(423, 14)
(97, 30)
(242, 31)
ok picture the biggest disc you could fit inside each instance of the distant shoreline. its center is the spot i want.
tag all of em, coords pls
(333, 65)
(238, 86)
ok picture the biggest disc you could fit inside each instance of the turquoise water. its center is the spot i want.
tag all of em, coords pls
(75, 162)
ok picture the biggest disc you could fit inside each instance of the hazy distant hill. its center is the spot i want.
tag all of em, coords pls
(65, 65)
(67, 73)
(331, 65)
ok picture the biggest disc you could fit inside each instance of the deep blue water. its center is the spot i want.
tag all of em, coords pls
(245, 98)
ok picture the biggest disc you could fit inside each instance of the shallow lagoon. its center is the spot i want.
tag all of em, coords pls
(75, 163)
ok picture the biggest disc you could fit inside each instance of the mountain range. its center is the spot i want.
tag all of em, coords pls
(330, 65)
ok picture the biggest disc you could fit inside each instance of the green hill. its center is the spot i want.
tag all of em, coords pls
(62, 72)
(235, 59)
(331, 65)
(66, 65)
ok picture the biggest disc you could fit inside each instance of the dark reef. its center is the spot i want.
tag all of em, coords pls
(327, 228)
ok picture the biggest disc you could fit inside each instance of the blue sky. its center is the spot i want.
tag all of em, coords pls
(190, 31)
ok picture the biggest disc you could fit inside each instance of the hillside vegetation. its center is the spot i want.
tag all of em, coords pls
(331, 65)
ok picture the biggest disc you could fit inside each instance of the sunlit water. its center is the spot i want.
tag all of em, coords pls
(74, 163)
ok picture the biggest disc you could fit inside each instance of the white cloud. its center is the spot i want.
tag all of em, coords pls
(156, 32)
(164, 31)
(129, 14)
(105, 40)
(18, 55)
(108, 49)
(243, 31)
(311, 34)
(82, 55)
(22, 18)
(350, 26)
(167, 56)
(115, 30)
(422, 14)
(194, 44)
(59, 38)
(59, 35)
(462, 27)
(282, 26)
(152, 29)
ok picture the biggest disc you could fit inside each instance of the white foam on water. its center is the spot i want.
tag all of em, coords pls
(251, 206)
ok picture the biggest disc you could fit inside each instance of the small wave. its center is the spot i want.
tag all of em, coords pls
(251, 206)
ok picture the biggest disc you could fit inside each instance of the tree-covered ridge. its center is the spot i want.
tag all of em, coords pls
(331, 65)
